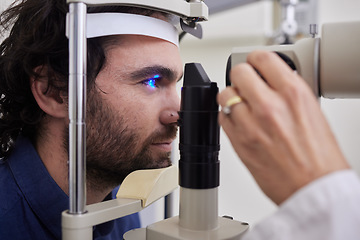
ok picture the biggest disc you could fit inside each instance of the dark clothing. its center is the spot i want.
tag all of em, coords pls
(31, 202)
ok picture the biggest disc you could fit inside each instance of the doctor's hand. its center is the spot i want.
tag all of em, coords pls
(278, 129)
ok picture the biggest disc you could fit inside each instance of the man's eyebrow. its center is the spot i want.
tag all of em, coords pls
(148, 72)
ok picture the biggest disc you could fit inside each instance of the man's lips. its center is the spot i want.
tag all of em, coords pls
(164, 145)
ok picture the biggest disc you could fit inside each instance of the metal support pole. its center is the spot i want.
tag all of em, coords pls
(77, 107)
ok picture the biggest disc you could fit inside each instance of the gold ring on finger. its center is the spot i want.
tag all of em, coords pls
(229, 103)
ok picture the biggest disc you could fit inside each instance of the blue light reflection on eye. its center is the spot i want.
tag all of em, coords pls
(152, 81)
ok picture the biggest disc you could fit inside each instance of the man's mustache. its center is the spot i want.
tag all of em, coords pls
(168, 133)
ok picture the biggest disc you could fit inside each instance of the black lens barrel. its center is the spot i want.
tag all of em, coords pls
(199, 146)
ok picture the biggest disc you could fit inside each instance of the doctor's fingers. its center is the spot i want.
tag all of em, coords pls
(250, 85)
(234, 110)
(274, 70)
(241, 127)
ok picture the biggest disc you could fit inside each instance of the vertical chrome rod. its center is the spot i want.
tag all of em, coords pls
(77, 107)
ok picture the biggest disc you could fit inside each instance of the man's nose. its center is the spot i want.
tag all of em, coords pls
(170, 113)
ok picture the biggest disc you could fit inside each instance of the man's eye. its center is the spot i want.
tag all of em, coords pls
(152, 82)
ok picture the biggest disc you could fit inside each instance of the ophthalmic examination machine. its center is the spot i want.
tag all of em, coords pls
(329, 65)
(198, 214)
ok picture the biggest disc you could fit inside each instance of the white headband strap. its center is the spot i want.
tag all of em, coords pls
(104, 24)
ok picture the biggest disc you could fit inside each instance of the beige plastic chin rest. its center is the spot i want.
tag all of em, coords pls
(138, 190)
(149, 185)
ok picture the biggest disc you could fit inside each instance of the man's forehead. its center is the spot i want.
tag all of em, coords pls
(133, 39)
(132, 56)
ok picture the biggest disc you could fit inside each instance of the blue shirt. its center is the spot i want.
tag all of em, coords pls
(31, 202)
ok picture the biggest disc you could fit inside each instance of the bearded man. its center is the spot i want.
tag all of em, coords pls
(131, 116)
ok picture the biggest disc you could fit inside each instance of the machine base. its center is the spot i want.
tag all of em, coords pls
(169, 229)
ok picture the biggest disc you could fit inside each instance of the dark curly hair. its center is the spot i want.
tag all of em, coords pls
(37, 38)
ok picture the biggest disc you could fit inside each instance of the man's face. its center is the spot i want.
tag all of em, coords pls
(132, 110)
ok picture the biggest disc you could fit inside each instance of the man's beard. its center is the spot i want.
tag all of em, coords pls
(114, 148)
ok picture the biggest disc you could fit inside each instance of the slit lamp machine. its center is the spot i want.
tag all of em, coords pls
(199, 134)
(330, 66)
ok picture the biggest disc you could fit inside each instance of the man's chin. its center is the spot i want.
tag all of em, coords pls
(164, 164)
(161, 160)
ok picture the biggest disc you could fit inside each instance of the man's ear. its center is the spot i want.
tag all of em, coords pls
(49, 99)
